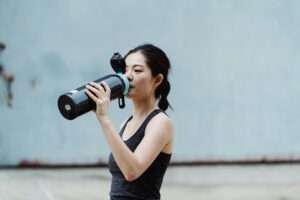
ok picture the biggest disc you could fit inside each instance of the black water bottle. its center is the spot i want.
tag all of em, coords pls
(76, 102)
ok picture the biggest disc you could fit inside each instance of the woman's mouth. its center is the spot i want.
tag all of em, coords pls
(130, 88)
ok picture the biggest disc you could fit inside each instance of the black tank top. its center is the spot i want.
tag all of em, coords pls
(147, 186)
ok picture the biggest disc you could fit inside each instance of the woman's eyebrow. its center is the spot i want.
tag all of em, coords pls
(135, 65)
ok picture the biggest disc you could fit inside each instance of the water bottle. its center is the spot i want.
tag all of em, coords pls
(76, 102)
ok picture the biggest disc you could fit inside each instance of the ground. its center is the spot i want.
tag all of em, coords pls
(226, 182)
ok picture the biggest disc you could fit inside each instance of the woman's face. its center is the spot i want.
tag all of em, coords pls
(142, 83)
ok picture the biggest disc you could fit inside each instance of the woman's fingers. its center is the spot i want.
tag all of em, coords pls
(98, 91)
(100, 94)
(95, 85)
(106, 87)
(91, 95)
(94, 90)
(100, 87)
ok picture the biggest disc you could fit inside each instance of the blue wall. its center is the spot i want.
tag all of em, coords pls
(235, 78)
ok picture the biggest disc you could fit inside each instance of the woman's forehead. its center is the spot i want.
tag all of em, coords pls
(135, 59)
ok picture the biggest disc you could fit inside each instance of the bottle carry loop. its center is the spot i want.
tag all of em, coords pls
(121, 102)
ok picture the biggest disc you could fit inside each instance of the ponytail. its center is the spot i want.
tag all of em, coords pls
(163, 90)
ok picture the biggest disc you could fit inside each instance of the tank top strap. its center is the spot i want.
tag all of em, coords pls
(124, 125)
(149, 117)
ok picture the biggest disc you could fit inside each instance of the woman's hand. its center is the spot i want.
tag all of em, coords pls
(100, 94)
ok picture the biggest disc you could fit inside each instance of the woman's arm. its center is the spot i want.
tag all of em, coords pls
(158, 134)
(132, 164)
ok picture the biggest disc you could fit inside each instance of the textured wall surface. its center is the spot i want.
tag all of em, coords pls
(235, 80)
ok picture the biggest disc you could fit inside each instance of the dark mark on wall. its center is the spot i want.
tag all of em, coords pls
(8, 78)
(33, 83)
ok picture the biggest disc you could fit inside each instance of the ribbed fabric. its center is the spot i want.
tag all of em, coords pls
(147, 186)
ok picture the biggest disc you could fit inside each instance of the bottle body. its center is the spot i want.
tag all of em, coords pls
(76, 102)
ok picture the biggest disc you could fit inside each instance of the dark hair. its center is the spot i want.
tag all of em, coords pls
(159, 63)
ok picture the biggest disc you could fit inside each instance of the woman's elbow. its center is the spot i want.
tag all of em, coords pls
(131, 177)
(132, 172)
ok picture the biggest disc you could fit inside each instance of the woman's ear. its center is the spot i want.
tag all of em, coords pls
(158, 79)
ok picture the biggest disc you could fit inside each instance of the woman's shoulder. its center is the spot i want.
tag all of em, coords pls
(162, 116)
(161, 121)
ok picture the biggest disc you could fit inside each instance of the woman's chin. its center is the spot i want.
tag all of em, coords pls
(131, 95)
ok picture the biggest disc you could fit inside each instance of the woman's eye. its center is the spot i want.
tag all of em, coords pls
(137, 70)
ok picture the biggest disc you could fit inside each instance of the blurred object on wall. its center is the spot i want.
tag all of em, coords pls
(8, 79)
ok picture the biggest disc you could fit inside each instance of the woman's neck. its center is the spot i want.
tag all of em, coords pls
(142, 107)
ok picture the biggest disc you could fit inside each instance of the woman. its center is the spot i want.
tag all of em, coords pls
(142, 151)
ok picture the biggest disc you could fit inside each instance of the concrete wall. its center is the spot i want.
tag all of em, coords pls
(235, 78)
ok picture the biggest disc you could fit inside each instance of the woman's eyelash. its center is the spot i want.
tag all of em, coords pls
(136, 70)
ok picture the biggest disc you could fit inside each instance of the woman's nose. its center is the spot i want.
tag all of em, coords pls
(128, 74)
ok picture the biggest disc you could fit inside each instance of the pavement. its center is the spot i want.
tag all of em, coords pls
(226, 182)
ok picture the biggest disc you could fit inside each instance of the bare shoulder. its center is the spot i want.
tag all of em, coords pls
(161, 124)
